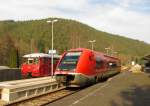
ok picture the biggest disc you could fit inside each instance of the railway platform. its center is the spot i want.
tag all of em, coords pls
(124, 89)
(14, 91)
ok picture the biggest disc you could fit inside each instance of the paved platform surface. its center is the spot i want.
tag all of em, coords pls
(125, 89)
(12, 91)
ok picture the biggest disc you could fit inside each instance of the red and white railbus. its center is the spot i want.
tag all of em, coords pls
(38, 65)
(80, 67)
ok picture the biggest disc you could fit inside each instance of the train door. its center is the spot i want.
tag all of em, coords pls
(46, 67)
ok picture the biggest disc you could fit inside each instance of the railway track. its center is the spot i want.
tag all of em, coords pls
(45, 99)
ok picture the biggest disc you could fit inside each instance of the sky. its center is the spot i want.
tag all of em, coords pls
(130, 18)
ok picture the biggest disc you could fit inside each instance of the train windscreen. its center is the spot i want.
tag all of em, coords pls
(69, 62)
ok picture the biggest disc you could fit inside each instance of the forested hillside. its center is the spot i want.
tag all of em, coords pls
(21, 37)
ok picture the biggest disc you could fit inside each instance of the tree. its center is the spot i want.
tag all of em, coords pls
(8, 51)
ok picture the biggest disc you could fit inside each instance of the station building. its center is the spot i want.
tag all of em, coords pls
(147, 63)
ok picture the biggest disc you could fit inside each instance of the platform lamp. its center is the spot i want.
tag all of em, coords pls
(52, 48)
(92, 43)
(107, 50)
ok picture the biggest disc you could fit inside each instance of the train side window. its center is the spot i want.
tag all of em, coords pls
(99, 62)
(112, 65)
(36, 60)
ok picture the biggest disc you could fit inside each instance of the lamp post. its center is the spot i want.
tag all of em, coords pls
(115, 54)
(52, 43)
(92, 43)
(107, 50)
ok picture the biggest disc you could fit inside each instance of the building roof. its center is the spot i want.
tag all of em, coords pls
(34, 55)
(4, 67)
(147, 57)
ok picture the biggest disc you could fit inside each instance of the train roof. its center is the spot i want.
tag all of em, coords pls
(103, 55)
(84, 49)
(35, 55)
(78, 49)
(111, 59)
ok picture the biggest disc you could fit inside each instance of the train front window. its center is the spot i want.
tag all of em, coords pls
(69, 62)
(31, 61)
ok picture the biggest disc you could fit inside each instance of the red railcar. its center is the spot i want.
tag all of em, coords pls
(80, 67)
(38, 65)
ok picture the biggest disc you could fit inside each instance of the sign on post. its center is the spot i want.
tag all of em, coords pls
(52, 51)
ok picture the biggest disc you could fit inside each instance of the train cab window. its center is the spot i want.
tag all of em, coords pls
(36, 60)
(69, 61)
(99, 62)
(30, 60)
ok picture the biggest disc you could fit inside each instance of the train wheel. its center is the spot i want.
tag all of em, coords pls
(29, 75)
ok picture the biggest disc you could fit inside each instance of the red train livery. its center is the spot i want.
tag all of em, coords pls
(38, 65)
(80, 67)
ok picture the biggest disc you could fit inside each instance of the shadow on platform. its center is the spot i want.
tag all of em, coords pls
(136, 96)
